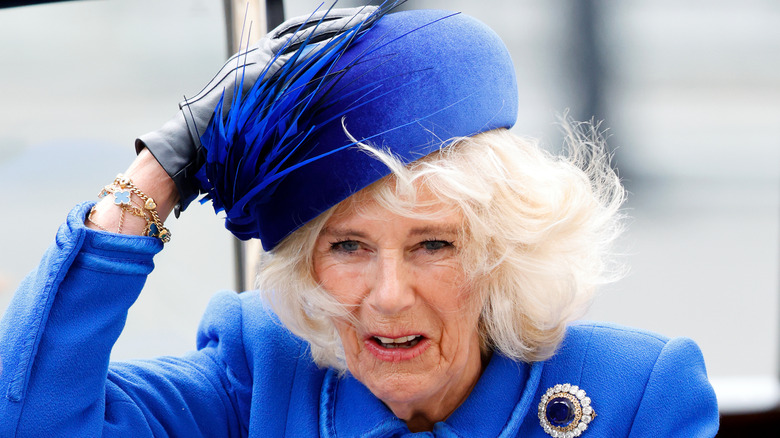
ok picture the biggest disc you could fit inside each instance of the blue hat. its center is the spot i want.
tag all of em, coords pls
(405, 82)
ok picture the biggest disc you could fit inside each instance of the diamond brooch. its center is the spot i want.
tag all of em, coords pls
(565, 411)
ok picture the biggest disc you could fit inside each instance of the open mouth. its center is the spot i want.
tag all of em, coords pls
(402, 342)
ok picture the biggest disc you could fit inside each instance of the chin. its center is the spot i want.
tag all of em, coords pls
(396, 381)
(396, 386)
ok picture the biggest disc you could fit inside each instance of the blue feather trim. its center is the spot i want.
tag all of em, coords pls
(258, 142)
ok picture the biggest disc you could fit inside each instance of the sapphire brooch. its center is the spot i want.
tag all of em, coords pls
(565, 411)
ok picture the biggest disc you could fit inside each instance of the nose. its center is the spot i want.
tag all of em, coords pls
(392, 291)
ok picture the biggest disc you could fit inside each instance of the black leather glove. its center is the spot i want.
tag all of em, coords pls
(176, 145)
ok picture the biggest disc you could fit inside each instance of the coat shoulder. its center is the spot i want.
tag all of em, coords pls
(244, 319)
(609, 355)
(634, 378)
(614, 341)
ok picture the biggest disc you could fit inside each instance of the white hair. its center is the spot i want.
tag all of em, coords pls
(537, 232)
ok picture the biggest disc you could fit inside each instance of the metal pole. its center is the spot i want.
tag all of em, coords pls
(274, 13)
(589, 68)
(587, 59)
(238, 16)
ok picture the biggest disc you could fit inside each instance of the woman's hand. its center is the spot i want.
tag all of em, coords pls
(151, 179)
(176, 145)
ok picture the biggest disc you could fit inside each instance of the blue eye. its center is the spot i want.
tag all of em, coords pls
(435, 245)
(345, 246)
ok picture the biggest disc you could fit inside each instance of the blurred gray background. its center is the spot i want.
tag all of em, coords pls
(689, 90)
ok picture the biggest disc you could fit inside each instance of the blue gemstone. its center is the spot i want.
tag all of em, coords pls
(560, 412)
(153, 231)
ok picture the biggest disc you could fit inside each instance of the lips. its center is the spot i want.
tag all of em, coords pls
(396, 349)
(402, 342)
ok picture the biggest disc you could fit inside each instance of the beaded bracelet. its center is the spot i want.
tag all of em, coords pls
(122, 189)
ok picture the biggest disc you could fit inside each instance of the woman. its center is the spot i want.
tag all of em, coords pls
(423, 264)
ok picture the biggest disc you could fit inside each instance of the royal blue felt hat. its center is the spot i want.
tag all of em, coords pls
(404, 82)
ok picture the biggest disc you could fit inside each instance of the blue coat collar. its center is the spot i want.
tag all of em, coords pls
(496, 406)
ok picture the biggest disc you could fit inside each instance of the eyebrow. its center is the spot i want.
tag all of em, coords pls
(345, 232)
(443, 229)
(449, 230)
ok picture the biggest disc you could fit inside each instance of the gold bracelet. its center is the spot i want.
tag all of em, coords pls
(89, 218)
(122, 189)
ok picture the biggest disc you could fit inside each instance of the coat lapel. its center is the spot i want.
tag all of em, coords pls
(497, 405)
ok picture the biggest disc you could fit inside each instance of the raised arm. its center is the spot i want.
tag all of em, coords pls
(57, 333)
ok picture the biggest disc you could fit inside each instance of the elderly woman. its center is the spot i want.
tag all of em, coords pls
(423, 265)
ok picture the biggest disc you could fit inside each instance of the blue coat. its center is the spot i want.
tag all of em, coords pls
(250, 377)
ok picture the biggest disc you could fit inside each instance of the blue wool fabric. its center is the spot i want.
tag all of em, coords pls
(251, 377)
(412, 81)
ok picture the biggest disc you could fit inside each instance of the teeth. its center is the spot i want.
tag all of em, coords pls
(401, 340)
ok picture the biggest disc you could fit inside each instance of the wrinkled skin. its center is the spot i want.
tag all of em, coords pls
(402, 277)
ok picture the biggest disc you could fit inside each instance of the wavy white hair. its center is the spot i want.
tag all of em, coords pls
(537, 233)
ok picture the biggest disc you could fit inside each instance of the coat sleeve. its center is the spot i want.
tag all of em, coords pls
(56, 339)
(678, 400)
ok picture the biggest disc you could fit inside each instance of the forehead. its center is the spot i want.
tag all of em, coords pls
(384, 200)
(374, 213)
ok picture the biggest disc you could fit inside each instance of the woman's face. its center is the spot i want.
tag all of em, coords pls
(412, 335)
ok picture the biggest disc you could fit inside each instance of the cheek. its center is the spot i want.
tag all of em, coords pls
(458, 305)
(444, 286)
(348, 334)
(350, 342)
(344, 283)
